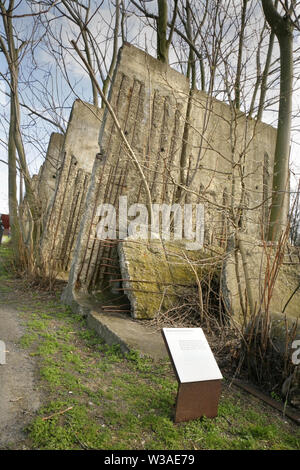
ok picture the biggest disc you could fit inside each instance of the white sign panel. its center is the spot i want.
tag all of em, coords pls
(192, 356)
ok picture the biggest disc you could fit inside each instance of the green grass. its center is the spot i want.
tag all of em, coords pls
(96, 398)
(5, 254)
(127, 402)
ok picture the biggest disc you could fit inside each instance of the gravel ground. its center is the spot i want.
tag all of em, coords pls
(19, 398)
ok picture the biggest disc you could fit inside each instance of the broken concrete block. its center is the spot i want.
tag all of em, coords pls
(155, 273)
(65, 212)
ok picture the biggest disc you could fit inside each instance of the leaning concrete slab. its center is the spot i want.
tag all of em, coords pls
(43, 184)
(49, 170)
(150, 101)
(229, 161)
(65, 212)
(191, 148)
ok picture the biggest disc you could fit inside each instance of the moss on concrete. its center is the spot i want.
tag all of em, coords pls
(154, 273)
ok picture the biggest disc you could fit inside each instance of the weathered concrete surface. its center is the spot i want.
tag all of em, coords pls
(44, 183)
(49, 170)
(180, 140)
(130, 335)
(150, 101)
(229, 160)
(63, 218)
(155, 273)
(260, 263)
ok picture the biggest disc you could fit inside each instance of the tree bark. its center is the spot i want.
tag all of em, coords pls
(283, 29)
(264, 78)
(237, 84)
(108, 79)
(162, 22)
(15, 143)
(12, 189)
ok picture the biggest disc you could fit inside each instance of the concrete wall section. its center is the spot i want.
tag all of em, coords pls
(225, 159)
(268, 274)
(43, 184)
(150, 101)
(191, 148)
(65, 212)
(49, 170)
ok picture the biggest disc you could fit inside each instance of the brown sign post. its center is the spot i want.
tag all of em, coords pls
(197, 373)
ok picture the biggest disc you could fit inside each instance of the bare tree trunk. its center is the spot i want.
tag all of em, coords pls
(162, 22)
(108, 79)
(12, 53)
(163, 43)
(283, 29)
(237, 84)
(12, 189)
(191, 71)
(264, 78)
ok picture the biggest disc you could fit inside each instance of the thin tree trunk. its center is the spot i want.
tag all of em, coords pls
(264, 78)
(12, 188)
(108, 79)
(15, 121)
(283, 29)
(279, 207)
(191, 70)
(162, 22)
(89, 59)
(237, 84)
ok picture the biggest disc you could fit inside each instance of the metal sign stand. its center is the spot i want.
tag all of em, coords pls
(197, 373)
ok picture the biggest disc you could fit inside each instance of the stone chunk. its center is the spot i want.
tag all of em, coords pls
(154, 273)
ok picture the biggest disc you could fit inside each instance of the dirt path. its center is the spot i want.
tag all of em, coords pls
(19, 398)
